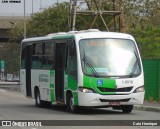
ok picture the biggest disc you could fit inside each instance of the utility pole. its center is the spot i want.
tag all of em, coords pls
(32, 7)
(74, 14)
(24, 20)
(40, 5)
(95, 9)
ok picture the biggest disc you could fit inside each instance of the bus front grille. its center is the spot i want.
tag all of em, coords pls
(125, 89)
(117, 100)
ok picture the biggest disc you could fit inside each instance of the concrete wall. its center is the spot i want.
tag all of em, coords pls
(5, 25)
(4, 21)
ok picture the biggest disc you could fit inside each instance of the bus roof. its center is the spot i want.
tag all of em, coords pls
(81, 34)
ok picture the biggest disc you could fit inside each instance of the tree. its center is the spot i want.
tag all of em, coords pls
(141, 18)
(51, 20)
(16, 33)
(141, 13)
(143, 22)
(9, 52)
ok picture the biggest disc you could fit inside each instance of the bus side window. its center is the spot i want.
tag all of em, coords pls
(71, 68)
(37, 55)
(48, 56)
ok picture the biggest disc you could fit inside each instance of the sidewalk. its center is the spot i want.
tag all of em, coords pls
(148, 106)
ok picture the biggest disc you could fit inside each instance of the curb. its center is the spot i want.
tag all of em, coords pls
(146, 108)
(11, 87)
(9, 83)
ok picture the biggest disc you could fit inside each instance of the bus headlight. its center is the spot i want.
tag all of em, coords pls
(86, 90)
(139, 89)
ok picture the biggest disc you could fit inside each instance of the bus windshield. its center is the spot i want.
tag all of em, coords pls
(109, 57)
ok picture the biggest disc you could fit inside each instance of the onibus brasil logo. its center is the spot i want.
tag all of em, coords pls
(11, 1)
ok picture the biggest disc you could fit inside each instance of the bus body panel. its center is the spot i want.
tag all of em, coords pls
(93, 99)
(71, 84)
(120, 83)
(44, 79)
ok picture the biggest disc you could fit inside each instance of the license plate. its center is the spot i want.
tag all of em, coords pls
(114, 103)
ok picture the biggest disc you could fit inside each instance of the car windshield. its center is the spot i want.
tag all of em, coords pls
(109, 57)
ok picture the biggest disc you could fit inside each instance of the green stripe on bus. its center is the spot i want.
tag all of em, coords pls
(75, 95)
(52, 88)
(71, 84)
(92, 82)
(63, 37)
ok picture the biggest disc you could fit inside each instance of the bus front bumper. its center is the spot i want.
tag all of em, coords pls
(93, 99)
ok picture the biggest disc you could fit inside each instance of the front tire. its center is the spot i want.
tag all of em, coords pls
(127, 108)
(70, 104)
(38, 101)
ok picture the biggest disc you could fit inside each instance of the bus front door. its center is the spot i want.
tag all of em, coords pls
(28, 70)
(60, 60)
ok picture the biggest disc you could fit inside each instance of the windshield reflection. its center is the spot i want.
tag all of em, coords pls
(109, 57)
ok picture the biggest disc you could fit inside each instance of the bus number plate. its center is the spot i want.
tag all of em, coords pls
(114, 103)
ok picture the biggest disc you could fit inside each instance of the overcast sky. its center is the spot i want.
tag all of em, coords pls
(17, 8)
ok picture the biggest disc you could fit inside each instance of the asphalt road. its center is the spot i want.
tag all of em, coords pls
(14, 106)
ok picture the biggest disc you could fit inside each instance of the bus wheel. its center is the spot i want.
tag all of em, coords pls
(70, 104)
(38, 100)
(127, 108)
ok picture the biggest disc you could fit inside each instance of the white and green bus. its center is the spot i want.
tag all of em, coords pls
(86, 68)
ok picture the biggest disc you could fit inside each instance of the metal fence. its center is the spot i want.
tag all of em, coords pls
(152, 79)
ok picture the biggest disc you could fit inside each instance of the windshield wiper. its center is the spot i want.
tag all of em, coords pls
(137, 62)
(86, 61)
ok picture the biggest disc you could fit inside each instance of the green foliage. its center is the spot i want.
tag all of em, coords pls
(142, 21)
(148, 41)
(16, 33)
(55, 19)
(84, 22)
(52, 19)
(10, 54)
(149, 32)
(150, 47)
(141, 13)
